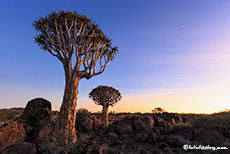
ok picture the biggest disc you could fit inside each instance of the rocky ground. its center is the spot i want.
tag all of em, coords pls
(127, 133)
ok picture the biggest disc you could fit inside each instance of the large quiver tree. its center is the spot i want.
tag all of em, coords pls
(82, 48)
(105, 96)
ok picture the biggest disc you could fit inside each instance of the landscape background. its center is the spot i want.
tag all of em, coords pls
(173, 54)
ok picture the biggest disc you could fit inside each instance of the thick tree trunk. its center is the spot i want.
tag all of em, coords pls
(105, 114)
(67, 116)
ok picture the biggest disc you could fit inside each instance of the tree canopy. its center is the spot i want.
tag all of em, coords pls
(65, 34)
(104, 95)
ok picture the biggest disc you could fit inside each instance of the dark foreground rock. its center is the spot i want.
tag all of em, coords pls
(37, 109)
(11, 133)
(33, 126)
(23, 148)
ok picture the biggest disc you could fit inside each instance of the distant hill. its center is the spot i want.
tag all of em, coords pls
(10, 114)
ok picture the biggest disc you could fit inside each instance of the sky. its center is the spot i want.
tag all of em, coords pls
(172, 54)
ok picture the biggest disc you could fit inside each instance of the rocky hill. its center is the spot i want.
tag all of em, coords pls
(31, 132)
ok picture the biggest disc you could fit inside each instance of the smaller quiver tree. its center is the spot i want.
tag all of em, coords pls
(105, 96)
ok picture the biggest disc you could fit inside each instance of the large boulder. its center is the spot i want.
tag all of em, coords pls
(11, 133)
(161, 122)
(42, 129)
(177, 117)
(84, 124)
(143, 123)
(37, 109)
(23, 148)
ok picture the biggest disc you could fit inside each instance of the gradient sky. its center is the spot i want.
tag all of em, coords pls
(173, 54)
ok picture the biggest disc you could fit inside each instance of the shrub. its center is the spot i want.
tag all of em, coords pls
(216, 121)
(180, 126)
(83, 112)
(10, 114)
(55, 143)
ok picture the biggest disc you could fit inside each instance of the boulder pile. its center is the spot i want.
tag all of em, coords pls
(126, 133)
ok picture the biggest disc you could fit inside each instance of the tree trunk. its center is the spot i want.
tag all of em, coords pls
(67, 117)
(105, 114)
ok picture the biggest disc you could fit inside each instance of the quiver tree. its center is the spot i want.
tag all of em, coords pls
(82, 48)
(105, 96)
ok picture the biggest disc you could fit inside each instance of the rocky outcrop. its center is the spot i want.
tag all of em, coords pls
(11, 133)
(37, 120)
(143, 123)
(37, 109)
(23, 148)
(84, 124)
(88, 124)
(41, 129)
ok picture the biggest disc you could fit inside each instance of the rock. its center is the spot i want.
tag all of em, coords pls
(175, 141)
(94, 149)
(208, 136)
(113, 139)
(161, 123)
(167, 125)
(97, 124)
(143, 123)
(142, 137)
(84, 124)
(169, 119)
(172, 118)
(11, 133)
(42, 129)
(42, 114)
(125, 125)
(177, 118)
(152, 138)
(37, 109)
(23, 148)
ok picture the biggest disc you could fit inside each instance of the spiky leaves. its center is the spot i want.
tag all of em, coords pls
(104, 95)
(65, 34)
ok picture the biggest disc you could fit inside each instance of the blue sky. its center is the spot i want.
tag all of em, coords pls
(173, 54)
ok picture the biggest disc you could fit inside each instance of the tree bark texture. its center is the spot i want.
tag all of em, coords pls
(67, 116)
(105, 114)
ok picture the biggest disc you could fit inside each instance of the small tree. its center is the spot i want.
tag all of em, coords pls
(82, 48)
(105, 96)
(158, 110)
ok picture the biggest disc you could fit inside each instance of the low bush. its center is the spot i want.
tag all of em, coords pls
(83, 112)
(56, 143)
(215, 121)
(180, 126)
(10, 114)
